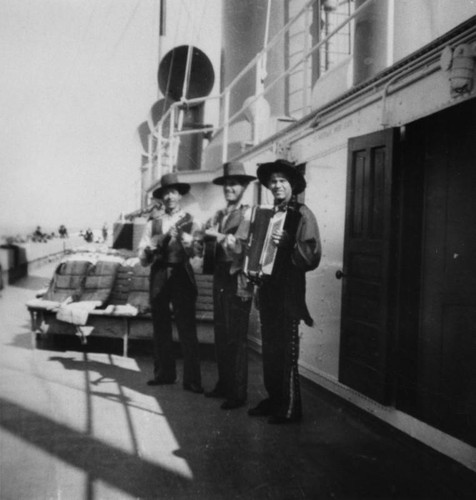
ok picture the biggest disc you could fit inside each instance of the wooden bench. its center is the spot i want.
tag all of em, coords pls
(116, 319)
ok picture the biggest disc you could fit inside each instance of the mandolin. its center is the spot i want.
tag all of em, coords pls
(183, 225)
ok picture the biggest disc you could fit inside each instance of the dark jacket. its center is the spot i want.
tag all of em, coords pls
(167, 253)
(302, 255)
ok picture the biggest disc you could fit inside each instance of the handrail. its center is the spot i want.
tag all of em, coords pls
(260, 89)
(274, 40)
(297, 64)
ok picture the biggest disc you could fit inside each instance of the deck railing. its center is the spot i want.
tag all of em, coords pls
(311, 53)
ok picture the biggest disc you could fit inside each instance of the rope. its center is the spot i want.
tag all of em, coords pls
(126, 27)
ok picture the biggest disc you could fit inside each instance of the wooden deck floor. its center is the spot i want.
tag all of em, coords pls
(80, 423)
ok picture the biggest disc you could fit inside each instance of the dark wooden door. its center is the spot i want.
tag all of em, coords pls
(365, 331)
(447, 339)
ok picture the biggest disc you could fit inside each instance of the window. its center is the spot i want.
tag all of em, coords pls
(327, 15)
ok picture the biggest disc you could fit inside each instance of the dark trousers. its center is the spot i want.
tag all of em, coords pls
(280, 349)
(231, 316)
(178, 291)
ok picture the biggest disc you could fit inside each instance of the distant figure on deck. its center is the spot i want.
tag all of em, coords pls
(104, 231)
(38, 235)
(88, 235)
(63, 232)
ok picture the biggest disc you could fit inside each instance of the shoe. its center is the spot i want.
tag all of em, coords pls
(263, 409)
(215, 393)
(195, 388)
(278, 420)
(161, 381)
(231, 404)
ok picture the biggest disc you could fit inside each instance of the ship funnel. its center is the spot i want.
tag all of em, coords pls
(172, 69)
(143, 131)
(158, 109)
(201, 77)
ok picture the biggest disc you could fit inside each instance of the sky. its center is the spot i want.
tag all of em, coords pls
(77, 77)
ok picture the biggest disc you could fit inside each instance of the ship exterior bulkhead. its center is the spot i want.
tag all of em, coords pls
(391, 180)
(388, 146)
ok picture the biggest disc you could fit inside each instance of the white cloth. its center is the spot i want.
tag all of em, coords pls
(122, 310)
(45, 305)
(76, 313)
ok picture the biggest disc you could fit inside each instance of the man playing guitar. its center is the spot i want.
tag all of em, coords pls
(231, 300)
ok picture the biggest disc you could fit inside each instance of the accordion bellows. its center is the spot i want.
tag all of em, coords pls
(261, 253)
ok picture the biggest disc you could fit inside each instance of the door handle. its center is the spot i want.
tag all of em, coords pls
(340, 275)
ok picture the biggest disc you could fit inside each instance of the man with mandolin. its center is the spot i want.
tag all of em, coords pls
(231, 292)
(167, 245)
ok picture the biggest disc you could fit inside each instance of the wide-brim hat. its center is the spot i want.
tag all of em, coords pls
(290, 170)
(233, 170)
(170, 181)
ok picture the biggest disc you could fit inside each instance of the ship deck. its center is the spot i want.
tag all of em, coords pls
(79, 422)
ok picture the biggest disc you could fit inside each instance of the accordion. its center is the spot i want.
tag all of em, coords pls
(261, 252)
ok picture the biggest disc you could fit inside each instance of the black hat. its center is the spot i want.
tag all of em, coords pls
(291, 171)
(170, 181)
(234, 170)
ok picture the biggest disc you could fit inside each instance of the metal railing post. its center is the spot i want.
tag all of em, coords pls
(173, 143)
(150, 156)
(226, 113)
(305, 74)
(160, 150)
(260, 75)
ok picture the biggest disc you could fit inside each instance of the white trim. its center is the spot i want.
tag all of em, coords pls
(454, 448)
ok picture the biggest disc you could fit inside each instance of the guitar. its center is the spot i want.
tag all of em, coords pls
(210, 240)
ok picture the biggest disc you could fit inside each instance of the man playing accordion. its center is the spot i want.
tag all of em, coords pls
(281, 294)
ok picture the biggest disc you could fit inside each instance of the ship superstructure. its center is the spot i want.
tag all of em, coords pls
(376, 97)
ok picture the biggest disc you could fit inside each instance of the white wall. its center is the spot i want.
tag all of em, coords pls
(418, 22)
(325, 153)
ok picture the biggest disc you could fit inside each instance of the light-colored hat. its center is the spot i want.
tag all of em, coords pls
(233, 170)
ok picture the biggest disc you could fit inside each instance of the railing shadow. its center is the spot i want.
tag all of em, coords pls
(128, 473)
